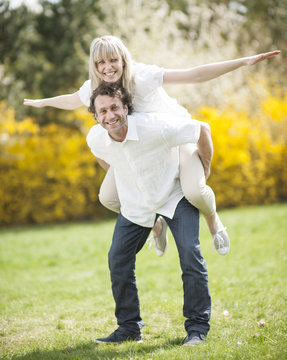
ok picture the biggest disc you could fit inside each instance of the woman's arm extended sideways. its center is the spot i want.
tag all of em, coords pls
(65, 102)
(211, 71)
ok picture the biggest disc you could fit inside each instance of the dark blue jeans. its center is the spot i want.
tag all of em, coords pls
(129, 238)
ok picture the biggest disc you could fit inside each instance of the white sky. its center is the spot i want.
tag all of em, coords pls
(33, 4)
(16, 3)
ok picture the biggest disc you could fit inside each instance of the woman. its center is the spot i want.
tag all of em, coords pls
(110, 61)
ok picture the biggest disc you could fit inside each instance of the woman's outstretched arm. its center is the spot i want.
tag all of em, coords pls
(65, 102)
(211, 71)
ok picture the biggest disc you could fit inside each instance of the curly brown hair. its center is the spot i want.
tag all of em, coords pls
(114, 91)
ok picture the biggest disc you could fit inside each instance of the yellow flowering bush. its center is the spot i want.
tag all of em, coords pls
(48, 174)
(249, 164)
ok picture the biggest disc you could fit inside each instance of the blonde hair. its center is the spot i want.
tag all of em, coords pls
(105, 48)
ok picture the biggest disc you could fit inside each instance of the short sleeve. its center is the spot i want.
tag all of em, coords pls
(181, 132)
(147, 78)
(95, 140)
(85, 93)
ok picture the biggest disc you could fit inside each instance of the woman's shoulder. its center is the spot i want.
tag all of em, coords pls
(147, 77)
(141, 69)
(86, 84)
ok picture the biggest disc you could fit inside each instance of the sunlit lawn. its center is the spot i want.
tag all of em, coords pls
(56, 297)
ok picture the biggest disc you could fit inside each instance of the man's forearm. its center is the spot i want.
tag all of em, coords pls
(205, 148)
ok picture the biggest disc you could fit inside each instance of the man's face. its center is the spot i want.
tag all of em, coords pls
(112, 115)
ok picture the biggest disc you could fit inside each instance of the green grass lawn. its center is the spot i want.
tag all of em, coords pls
(56, 296)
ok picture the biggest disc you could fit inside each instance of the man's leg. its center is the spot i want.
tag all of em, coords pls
(128, 239)
(197, 301)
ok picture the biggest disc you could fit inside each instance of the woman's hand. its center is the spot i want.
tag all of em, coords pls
(251, 60)
(34, 103)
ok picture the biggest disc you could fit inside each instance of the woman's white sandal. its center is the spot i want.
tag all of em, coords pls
(220, 241)
(160, 241)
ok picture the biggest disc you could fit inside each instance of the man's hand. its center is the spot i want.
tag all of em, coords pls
(205, 148)
(103, 164)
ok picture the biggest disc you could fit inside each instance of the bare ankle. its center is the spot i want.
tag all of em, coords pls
(214, 223)
(157, 229)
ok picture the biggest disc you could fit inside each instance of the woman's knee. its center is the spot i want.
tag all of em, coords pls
(193, 182)
(108, 195)
(202, 197)
(194, 192)
(109, 202)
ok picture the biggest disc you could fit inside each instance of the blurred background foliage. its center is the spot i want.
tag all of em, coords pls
(47, 173)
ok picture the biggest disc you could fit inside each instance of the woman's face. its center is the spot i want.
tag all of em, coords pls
(110, 70)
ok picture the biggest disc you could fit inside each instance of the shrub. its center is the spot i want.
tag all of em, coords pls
(48, 174)
(249, 164)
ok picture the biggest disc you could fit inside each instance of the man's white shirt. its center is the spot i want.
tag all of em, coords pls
(146, 163)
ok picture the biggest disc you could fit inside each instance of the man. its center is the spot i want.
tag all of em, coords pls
(142, 150)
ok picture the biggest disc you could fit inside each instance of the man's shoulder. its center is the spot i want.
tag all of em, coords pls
(95, 134)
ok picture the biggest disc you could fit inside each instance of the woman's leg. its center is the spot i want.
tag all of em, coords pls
(109, 198)
(199, 194)
(193, 182)
(108, 195)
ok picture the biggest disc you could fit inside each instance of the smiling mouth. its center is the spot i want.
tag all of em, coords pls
(110, 74)
(111, 123)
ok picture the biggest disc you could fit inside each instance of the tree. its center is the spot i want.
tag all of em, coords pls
(45, 53)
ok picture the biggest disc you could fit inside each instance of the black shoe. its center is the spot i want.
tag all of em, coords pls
(119, 336)
(194, 338)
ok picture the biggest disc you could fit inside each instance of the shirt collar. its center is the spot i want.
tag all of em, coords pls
(132, 133)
